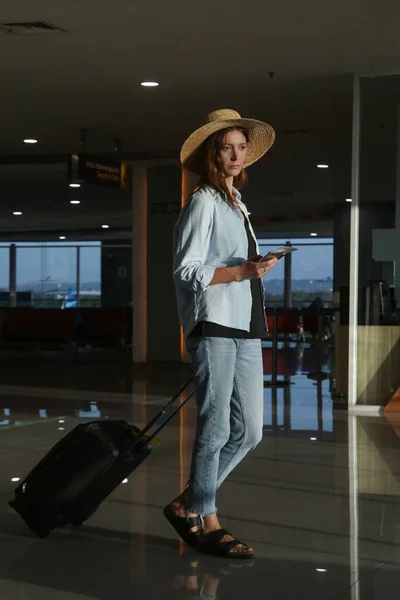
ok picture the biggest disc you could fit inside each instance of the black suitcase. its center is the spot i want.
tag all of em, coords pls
(68, 485)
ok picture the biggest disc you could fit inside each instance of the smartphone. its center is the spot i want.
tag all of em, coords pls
(278, 253)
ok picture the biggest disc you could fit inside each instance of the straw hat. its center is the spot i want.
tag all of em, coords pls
(262, 136)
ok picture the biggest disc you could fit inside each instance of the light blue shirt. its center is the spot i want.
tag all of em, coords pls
(209, 233)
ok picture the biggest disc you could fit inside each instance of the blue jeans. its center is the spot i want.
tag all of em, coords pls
(230, 398)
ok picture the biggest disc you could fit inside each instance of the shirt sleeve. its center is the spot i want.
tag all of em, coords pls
(192, 241)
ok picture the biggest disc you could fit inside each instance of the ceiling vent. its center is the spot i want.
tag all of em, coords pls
(30, 28)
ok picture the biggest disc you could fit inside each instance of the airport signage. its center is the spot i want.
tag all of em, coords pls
(91, 169)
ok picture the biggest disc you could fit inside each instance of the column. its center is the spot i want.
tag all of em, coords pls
(287, 293)
(139, 263)
(78, 275)
(13, 276)
(189, 182)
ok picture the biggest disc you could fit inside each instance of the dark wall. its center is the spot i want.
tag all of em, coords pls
(163, 331)
(341, 246)
(116, 273)
(378, 215)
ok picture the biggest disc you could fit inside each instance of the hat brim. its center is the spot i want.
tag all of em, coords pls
(262, 136)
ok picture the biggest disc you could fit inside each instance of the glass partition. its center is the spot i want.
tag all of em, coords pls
(378, 324)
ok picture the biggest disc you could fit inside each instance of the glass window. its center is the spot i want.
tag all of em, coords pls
(46, 274)
(4, 269)
(90, 276)
(312, 272)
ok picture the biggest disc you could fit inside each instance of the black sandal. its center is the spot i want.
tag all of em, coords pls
(211, 543)
(183, 527)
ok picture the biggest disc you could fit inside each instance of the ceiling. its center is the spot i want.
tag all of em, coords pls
(205, 56)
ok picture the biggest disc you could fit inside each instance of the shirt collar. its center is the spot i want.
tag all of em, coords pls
(237, 194)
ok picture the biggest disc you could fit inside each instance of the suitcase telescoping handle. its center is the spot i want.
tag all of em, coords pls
(171, 416)
(160, 415)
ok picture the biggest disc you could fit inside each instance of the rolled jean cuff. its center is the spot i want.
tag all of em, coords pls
(202, 513)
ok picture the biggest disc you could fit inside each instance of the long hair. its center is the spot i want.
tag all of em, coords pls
(212, 173)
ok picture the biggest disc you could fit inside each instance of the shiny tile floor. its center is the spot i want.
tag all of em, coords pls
(319, 499)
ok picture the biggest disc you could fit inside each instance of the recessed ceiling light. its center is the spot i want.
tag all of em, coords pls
(125, 481)
(75, 201)
(15, 479)
(62, 237)
(321, 570)
(348, 200)
(105, 226)
(30, 141)
(323, 166)
(17, 213)
(313, 439)
(150, 84)
(61, 421)
(74, 185)
(313, 234)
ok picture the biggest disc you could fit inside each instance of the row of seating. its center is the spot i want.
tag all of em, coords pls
(293, 360)
(102, 326)
(295, 322)
(288, 361)
(82, 326)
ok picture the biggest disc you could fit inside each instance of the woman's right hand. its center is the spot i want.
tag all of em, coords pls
(252, 269)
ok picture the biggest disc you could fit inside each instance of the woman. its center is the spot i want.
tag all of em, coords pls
(220, 303)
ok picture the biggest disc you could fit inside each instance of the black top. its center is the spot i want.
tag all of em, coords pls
(257, 323)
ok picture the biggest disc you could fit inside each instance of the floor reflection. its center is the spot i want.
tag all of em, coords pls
(302, 402)
(319, 499)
